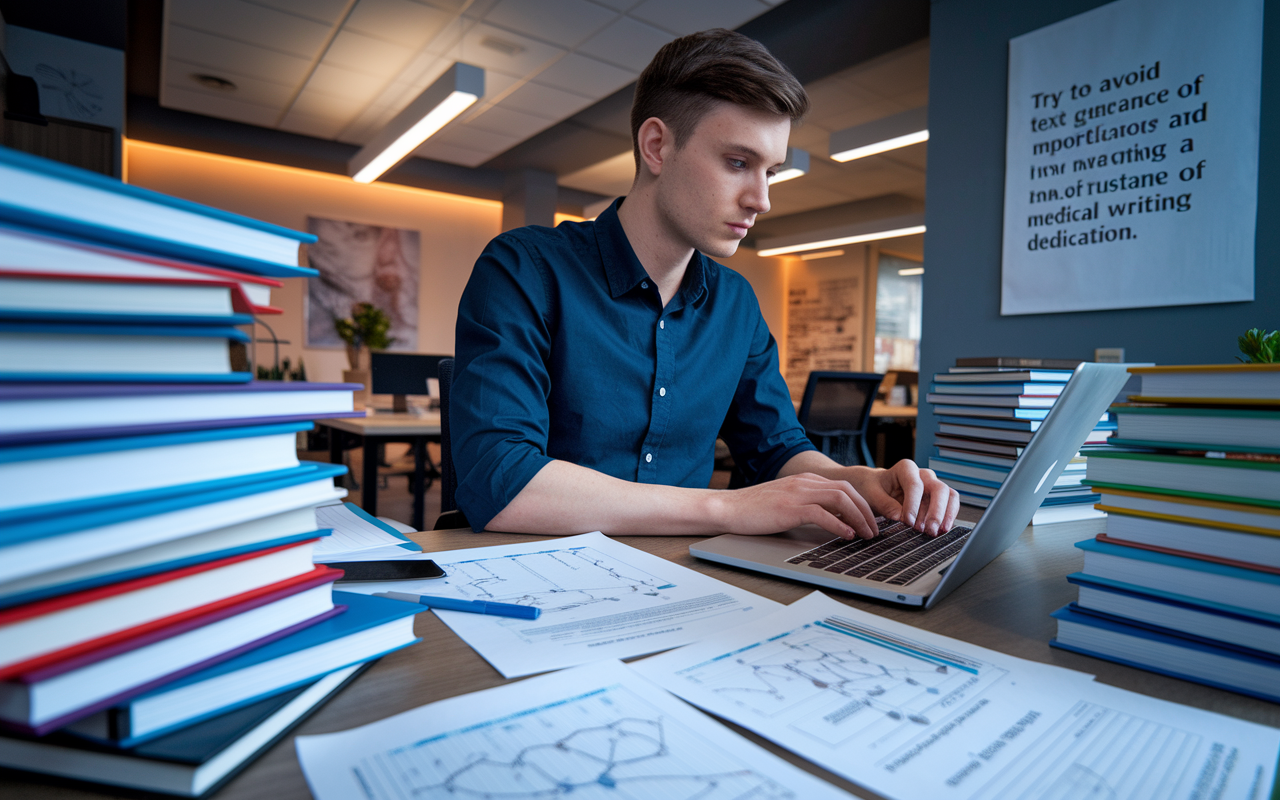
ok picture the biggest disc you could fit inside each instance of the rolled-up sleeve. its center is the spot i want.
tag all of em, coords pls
(498, 416)
(761, 428)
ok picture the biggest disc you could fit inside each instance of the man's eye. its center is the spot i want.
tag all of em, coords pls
(737, 163)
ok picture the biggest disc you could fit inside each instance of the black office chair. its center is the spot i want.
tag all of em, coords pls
(835, 412)
(450, 516)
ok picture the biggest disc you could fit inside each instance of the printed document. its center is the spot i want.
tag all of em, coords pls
(599, 599)
(595, 731)
(918, 716)
(354, 531)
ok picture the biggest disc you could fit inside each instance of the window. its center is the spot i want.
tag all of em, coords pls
(899, 305)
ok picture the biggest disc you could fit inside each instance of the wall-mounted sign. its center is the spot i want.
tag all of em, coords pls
(1131, 163)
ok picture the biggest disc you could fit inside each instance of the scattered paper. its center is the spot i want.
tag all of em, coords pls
(599, 599)
(354, 531)
(918, 716)
(594, 731)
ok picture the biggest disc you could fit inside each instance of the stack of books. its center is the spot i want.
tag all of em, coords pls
(988, 409)
(1186, 579)
(161, 617)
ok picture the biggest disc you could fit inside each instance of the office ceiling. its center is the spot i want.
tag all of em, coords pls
(340, 69)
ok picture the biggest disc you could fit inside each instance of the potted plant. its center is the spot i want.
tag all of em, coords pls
(365, 330)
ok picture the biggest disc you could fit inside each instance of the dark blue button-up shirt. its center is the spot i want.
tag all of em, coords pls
(565, 351)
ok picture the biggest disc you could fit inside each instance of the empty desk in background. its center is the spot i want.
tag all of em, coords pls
(379, 429)
(892, 433)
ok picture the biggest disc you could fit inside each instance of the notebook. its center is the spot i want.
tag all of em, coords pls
(909, 568)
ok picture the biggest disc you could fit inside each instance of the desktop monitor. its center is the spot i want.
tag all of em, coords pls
(402, 374)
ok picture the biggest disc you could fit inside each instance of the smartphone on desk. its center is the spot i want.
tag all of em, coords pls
(387, 570)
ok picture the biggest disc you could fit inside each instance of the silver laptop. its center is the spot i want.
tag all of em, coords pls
(907, 567)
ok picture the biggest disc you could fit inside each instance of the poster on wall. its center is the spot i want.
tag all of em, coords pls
(823, 328)
(361, 263)
(1131, 162)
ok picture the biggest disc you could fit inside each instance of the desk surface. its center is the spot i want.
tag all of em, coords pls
(882, 409)
(384, 424)
(1004, 607)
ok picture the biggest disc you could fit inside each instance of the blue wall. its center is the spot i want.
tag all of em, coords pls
(968, 76)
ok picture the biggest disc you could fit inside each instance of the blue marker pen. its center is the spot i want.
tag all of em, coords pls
(472, 606)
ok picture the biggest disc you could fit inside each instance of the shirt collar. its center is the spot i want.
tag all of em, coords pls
(624, 270)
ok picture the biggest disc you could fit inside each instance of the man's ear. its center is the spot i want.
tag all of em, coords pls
(655, 142)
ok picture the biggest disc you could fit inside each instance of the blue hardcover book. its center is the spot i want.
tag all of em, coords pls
(1179, 615)
(49, 412)
(45, 480)
(369, 628)
(54, 351)
(1011, 424)
(1250, 589)
(1235, 669)
(47, 195)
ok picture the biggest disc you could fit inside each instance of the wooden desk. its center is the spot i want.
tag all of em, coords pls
(883, 410)
(1004, 607)
(378, 429)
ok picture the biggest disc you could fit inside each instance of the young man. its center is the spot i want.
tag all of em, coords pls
(598, 362)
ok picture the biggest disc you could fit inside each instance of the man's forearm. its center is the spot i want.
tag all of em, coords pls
(564, 498)
(816, 463)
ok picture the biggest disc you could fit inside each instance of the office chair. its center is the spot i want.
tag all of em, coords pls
(835, 412)
(450, 516)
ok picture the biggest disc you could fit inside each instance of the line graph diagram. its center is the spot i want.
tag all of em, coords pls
(843, 683)
(554, 580)
(609, 744)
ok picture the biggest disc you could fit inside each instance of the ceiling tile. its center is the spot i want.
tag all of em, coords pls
(355, 86)
(474, 138)
(508, 121)
(544, 101)
(683, 17)
(220, 54)
(453, 154)
(619, 5)
(340, 108)
(366, 54)
(221, 107)
(248, 90)
(326, 11)
(627, 42)
(401, 21)
(587, 76)
(320, 127)
(611, 177)
(245, 22)
(527, 60)
(562, 22)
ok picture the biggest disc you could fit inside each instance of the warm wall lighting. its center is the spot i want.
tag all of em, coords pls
(890, 228)
(911, 271)
(822, 254)
(890, 133)
(797, 164)
(454, 92)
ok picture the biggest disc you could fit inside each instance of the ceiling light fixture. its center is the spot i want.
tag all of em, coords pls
(890, 133)
(453, 92)
(797, 164)
(821, 254)
(911, 271)
(890, 228)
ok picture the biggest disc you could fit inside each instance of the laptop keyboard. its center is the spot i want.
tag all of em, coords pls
(898, 556)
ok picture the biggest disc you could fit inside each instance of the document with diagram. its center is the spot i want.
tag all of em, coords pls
(918, 716)
(595, 731)
(599, 598)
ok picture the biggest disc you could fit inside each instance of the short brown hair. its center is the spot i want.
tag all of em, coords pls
(688, 75)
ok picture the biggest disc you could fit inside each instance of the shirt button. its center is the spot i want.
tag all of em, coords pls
(648, 457)
(662, 323)
(662, 392)
(644, 284)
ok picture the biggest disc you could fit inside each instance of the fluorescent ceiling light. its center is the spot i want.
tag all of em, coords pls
(856, 233)
(823, 254)
(797, 164)
(911, 271)
(453, 92)
(890, 133)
